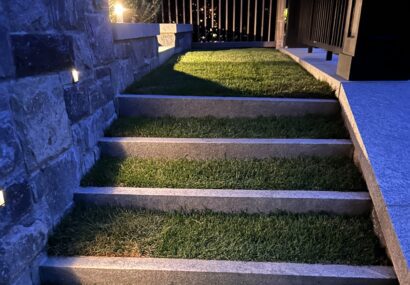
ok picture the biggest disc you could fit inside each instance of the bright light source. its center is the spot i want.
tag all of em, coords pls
(119, 12)
(76, 75)
(2, 202)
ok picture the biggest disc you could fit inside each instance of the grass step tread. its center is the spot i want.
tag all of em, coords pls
(240, 72)
(308, 238)
(315, 127)
(309, 173)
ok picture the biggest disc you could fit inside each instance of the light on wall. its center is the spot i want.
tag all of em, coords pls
(119, 12)
(76, 75)
(2, 202)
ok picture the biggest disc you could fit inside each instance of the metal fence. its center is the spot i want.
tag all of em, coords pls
(322, 23)
(224, 20)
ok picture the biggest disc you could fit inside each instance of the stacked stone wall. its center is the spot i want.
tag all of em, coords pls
(49, 125)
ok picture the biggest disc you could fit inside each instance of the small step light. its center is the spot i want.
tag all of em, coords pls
(76, 75)
(2, 202)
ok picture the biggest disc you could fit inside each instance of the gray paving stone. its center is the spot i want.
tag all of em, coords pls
(150, 271)
(228, 201)
(193, 148)
(221, 107)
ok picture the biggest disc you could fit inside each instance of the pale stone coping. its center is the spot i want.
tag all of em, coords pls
(219, 193)
(377, 116)
(175, 28)
(227, 98)
(227, 140)
(166, 48)
(228, 200)
(129, 31)
(167, 270)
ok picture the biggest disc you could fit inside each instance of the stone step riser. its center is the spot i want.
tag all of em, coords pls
(203, 149)
(221, 107)
(152, 271)
(228, 201)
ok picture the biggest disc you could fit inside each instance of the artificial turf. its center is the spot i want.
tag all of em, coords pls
(310, 173)
(262, 127)
(237, 72)
(307, 238)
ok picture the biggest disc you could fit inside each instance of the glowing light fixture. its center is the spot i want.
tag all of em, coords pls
(119, 12)
(76, 75)
(2, 202)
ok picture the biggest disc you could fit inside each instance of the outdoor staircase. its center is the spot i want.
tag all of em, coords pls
(129, 270)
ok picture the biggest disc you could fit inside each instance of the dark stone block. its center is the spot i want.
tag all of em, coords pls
(6, 60)
(19, 200)
(77, 102)
(19, 248)
(68, 14)
(97, 97)
(9, 149)
(102, 72)
(36, 54)
(55, 185)
(99, 31)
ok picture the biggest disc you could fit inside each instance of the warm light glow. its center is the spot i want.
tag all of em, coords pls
(119, 12)
(2, 202)
(76, 75)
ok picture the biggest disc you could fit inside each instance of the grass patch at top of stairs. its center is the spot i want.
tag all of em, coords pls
(236, 72)
(308, 238)
(315, 127)
(307, 173)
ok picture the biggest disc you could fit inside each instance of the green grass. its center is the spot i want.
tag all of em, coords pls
(300, 173)
(109, 231)
(263, 127)
(237, 72)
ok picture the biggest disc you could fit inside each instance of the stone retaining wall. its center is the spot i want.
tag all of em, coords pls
(49, 126)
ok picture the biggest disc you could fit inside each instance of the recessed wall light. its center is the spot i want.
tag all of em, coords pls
(76, 75)
(2, 202)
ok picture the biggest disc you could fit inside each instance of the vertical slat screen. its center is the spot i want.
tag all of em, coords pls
(224, 20)
(322, 22)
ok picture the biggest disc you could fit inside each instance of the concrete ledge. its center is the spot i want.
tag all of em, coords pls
(122, 270)
(229, 45)
(228, 201)
(203, 149)
(175, 28)
(127, 31)
(221, 107)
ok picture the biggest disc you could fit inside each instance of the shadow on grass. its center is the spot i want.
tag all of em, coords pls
(259, 79)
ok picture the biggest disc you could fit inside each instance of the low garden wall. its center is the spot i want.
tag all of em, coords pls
(49, 124)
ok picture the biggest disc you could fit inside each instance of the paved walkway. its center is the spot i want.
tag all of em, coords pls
(381, 111)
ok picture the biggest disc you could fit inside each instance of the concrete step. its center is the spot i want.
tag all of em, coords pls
(196, 148)
(221, 107)
(153, 271)
(228, 201)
